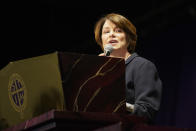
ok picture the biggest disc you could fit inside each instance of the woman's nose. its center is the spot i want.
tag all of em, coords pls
(112, 34)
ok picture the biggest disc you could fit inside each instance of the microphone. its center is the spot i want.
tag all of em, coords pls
(108, 48)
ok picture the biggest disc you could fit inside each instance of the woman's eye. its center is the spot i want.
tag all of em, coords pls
(118, 30)
(106, 31)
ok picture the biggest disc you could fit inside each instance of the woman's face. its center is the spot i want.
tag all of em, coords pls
(111, 34)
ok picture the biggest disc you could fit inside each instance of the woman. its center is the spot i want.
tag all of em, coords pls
(143, 85)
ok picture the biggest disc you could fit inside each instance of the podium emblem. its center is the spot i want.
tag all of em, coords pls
(17, 93)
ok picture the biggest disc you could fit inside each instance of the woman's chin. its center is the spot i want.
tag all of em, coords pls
(118, 48)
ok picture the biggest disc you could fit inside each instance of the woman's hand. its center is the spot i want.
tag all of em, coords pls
(102, 54)
(129, 107)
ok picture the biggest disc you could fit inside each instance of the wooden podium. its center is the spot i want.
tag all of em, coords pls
(67, 82)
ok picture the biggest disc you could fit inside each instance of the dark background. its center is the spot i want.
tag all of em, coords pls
(166, 36)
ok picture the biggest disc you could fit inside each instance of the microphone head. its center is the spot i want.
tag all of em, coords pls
(108, 48)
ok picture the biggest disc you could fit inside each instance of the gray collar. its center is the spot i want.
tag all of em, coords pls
(133, 55)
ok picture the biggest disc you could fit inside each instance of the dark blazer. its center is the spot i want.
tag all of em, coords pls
(143, 86)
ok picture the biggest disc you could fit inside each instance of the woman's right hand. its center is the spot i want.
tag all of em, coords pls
(102, 54)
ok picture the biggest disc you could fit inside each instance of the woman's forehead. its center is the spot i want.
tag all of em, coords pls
(109, 24)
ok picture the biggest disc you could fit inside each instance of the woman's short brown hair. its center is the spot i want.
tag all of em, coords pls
(121, 22)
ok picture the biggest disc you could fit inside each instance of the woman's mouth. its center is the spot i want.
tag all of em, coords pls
(113, 42)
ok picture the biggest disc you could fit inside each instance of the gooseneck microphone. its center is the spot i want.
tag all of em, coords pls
(108, 49)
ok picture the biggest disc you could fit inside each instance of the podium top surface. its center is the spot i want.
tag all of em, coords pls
(74, 119)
